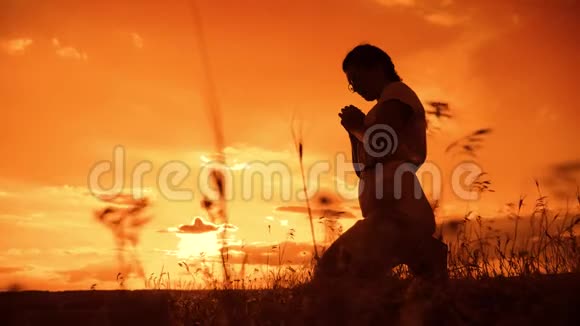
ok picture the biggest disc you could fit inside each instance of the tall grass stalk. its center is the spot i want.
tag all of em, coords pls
(297, 137)
(213, 109)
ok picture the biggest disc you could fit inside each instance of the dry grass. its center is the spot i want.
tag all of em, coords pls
(543, 242)
(492, 269)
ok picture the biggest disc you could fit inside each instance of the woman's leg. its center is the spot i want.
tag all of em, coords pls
(366, 250)
(335, 260)
(428, 259)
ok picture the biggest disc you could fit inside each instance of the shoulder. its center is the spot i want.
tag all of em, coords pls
(394, 108)
(403, 93)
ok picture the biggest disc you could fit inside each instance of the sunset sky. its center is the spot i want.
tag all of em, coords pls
(81, 77)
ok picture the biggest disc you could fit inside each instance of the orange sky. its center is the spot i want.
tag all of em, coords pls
(79, 78)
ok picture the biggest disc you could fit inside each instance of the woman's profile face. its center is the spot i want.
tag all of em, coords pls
(368, 83)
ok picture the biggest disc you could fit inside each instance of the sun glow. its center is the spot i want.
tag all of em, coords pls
(198, 245)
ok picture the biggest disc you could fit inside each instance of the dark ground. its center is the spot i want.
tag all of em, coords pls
(545, 300)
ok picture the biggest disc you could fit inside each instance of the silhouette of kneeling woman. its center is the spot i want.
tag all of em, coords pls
(388, 146)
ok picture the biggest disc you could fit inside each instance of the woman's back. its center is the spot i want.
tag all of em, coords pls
(392, 176)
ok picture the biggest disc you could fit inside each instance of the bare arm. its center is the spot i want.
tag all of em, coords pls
(354, 143)
(393, 113)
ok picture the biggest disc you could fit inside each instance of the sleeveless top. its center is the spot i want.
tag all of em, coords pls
(393, 174)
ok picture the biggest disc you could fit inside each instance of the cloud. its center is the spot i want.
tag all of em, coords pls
(20, 281)
(14, 253)
(27, 276)
(199, 226)
(104, 271)
(561, 180)
(60, 268)
(62, 201)
(68, 51)
(16, 46)
(54, 208)
(80, 251)
(323, 203)
(567, 167)
(444, 19)
(434, 15)
(243, 153)
(12, 269)
(137, 40)
(395, 3)
(272, 253)
(317, 212)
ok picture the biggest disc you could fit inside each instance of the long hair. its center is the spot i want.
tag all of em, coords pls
(370, 56)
